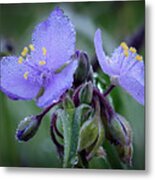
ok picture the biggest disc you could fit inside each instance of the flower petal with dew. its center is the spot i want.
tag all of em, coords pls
(52, 47)
(125, 67)
(58, 84)
(12, 81)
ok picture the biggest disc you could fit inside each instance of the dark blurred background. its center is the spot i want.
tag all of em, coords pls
(119, 21)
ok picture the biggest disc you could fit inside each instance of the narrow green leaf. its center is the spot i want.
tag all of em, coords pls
(75, 133)
(67, 124)
(71, 122)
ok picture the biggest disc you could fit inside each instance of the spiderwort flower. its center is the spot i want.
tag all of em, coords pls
(125, 67)
(36, 69)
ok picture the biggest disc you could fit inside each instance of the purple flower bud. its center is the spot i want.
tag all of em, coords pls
(83, 69)
(120, 130)
(86, 93)
(27, 128)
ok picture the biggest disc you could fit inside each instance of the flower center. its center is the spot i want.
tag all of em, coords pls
(132, 50)
(42, 62)
(36, 73)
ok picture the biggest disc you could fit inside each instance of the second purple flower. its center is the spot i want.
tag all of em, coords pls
(125, 67)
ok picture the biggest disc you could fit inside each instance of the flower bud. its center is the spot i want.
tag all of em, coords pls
(68, 103)
(92, 133)
(86, 93)
(83, 69)
(125, 153)
(27, 128)
(101, 153)
(88, 134)
(120, 130)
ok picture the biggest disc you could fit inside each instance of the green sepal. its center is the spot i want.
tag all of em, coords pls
(86, 93)
(100, 139)
(120, 130)
(101, 131)
(68, 104)
(88, 134)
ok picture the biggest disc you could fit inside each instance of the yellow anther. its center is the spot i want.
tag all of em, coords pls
(124, 46)
(44, 51)
(31, 46)
(42, 62)
(139, 58)
(126, 53)
(26, 75)
(25, 51)
(20, 60)
(133, 50)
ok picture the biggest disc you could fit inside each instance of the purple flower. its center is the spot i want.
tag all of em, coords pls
(47, 64)
(125, 67)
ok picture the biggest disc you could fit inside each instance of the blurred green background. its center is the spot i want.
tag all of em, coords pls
(118, 20)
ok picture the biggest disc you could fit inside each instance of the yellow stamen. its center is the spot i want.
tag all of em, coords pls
(42, 62)
(26, 75)
(31, 46)
(24, 52)
(133, 50)
(126, 53)
(124, 46)
(20, 60)
(139, 58)
(44, 51)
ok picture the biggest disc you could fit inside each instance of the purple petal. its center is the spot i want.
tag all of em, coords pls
(58, 85)
(106, 63)
(57, 35)
(137, 71)
(117, 59)
(12, 81)
(128, 63)
(133, 86)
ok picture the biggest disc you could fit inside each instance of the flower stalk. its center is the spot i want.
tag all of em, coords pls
(108, 90)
